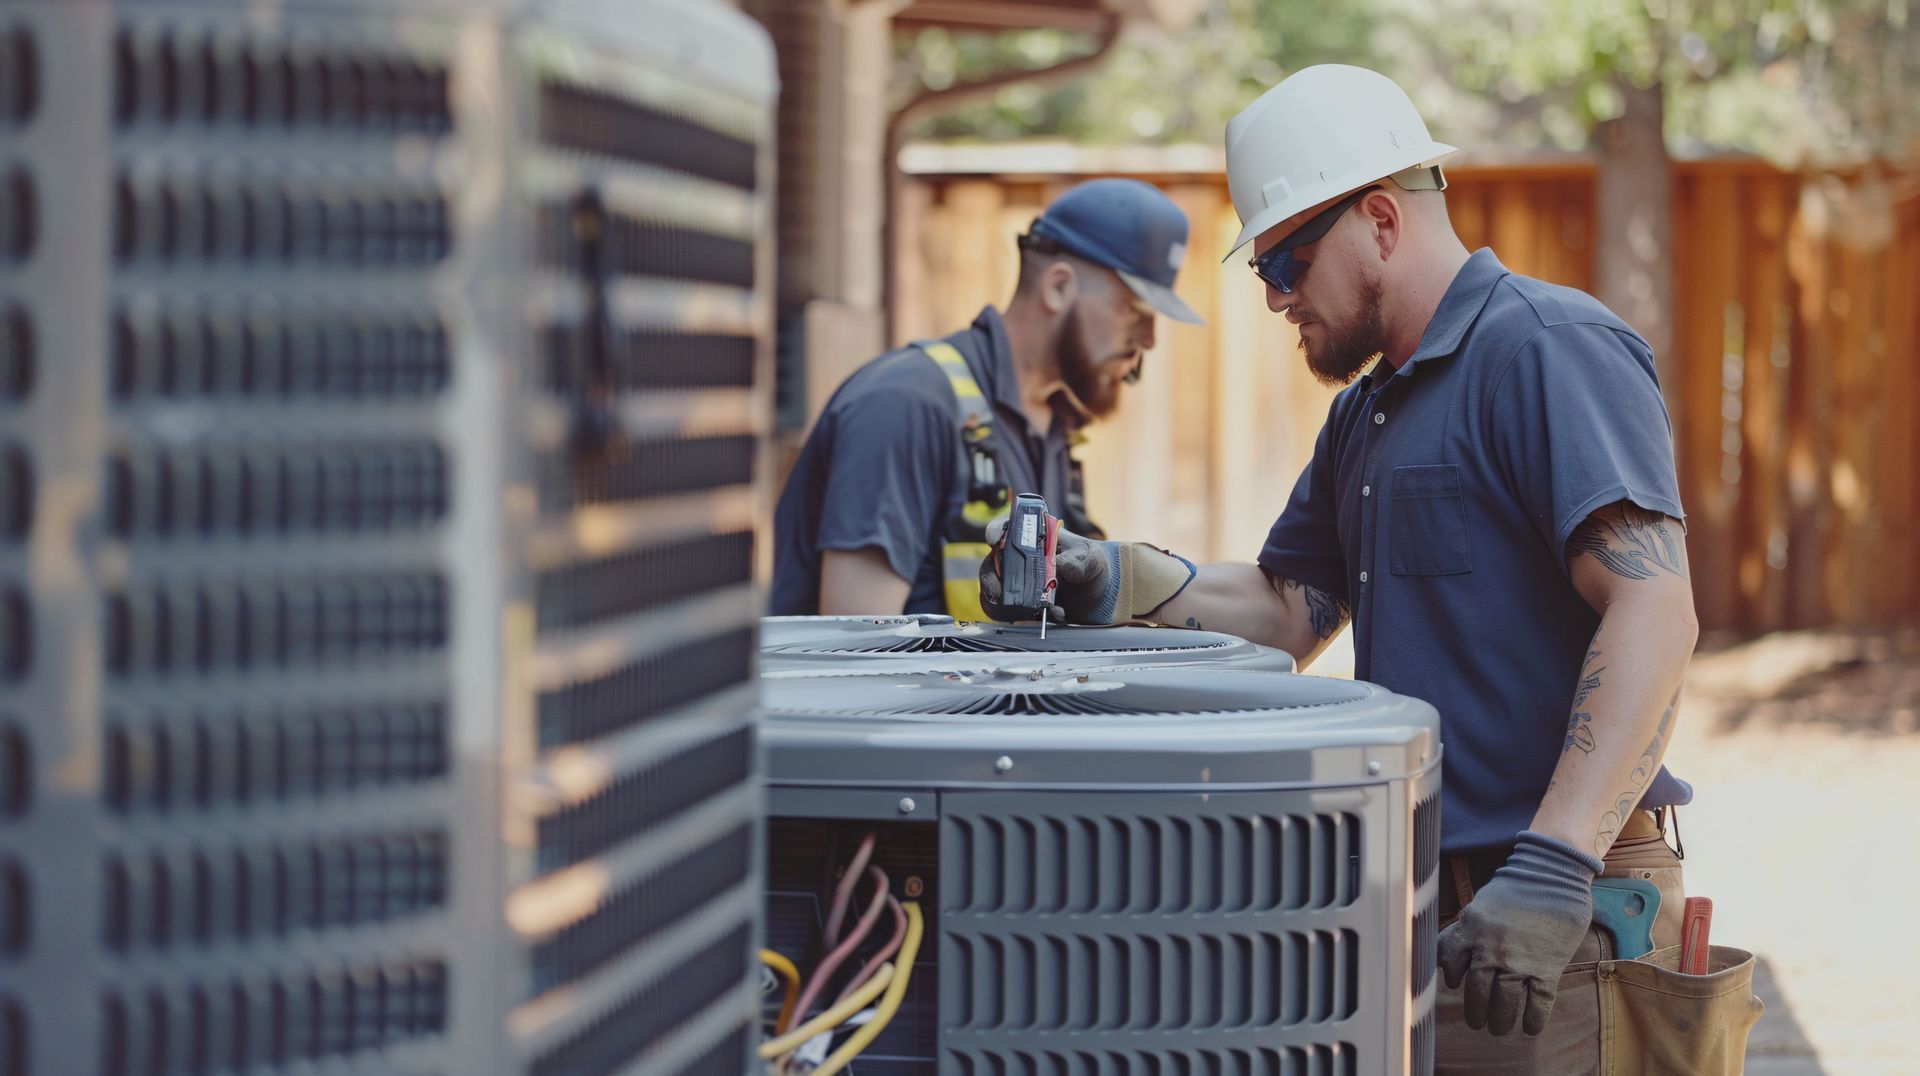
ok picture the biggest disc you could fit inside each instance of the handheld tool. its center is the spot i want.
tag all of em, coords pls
(1694, 924)
(1625, 909)
(1026, 560)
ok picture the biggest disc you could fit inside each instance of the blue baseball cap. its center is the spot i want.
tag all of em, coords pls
(1131, 228)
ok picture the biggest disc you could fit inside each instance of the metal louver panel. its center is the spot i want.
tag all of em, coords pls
(21, 462)
(1426, 838)
(1110, 917)
(273, 378)
(643, 198)
(308, 596)
(1421, 1046)
(1216, 1061)
(1154, 864)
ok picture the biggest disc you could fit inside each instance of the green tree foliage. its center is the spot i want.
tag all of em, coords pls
(1798, 81)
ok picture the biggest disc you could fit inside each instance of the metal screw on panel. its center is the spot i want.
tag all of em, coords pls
(906, 805)
(915, 886)
(1373, 769)
(1003, 763)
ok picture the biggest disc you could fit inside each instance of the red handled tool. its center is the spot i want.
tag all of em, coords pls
(1026, 560)
(1695, 922)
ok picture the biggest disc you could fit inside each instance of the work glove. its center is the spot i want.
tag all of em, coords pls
(1517, 934)
(1097, 582)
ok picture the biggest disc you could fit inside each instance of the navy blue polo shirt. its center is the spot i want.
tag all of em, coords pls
(1438, 504)
(884, 467)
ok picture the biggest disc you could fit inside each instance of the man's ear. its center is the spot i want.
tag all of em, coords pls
(1387, 219)
(1059, 288)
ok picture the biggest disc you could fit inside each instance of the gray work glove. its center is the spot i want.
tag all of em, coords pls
(1098, 582)
(1516, 936)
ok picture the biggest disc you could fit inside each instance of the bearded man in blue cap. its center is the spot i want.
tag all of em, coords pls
(887, 506)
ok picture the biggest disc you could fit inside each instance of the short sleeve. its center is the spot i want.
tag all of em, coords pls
(888, 477)
(1304, 543)
(1578, 423)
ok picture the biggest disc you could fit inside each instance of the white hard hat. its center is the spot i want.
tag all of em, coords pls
(1323, 131)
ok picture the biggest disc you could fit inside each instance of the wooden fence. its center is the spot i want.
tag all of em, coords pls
(1795, 406)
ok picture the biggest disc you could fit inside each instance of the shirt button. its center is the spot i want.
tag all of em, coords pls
(1363, 577)
(1379, 418)
(1366, 491)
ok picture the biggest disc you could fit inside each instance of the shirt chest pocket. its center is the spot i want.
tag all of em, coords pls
(1427, 521)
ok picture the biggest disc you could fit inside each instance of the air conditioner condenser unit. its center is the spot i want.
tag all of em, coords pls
(1153, 870)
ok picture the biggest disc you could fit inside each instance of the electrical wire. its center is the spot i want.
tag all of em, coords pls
(830, 1019)
(843, 892)
(889, 1002)
(817, 982)
(886, 951)
(791, 976)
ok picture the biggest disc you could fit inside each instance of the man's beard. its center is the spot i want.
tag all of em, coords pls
(1098, 394)
(1345, 350)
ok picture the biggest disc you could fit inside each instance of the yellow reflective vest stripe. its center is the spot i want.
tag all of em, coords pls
(961, 560)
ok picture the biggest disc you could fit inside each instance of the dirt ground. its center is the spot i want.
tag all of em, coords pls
(1804, 751)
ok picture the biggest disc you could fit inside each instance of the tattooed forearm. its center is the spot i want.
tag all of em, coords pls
(1326, 614)
(1643, 770)
(1580, 724)
(1630, 542)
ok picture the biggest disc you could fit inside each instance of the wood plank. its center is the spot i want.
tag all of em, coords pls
(1708, 231)
(1761, 577)
(915, 227)
(1467, 207)
(1564, 225)
(1807, 451)
(1511, 221)
(1190, 352)
(1903, 420)
(1851, 423)
(1549, 240)
(1885, 578)
(977, 264)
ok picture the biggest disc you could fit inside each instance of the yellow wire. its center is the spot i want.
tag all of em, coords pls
(785, 969)
(890, 1004)
(832, 1018)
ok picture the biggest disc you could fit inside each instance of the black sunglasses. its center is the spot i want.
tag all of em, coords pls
(1279, 267)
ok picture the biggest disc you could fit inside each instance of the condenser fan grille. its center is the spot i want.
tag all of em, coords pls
(1133, 693)
(933, 644)
(950, 641)
(1020, 703)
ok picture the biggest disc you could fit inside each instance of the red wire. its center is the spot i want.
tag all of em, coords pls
(845, 949)
(843, 892)
(879, 958)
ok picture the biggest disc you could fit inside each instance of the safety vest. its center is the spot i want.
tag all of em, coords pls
(963, 544)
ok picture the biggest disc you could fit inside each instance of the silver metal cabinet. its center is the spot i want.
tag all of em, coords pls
(377, 585)
(1151, 870)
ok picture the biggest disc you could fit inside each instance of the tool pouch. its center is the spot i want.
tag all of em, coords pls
(1655, 1021)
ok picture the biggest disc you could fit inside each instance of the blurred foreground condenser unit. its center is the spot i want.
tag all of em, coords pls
(852, 645)
(1171, 869)
(382, 391)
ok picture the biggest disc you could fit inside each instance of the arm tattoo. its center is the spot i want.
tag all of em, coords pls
(1326, 614)
(1580, 725)
(1643, 771)
(1194, 623)
(1632, 543)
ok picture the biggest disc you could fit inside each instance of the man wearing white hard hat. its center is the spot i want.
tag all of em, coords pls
(1493, 505)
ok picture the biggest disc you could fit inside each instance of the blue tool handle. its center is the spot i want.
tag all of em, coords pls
(1625, 908)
